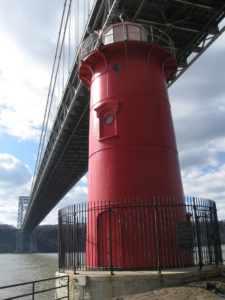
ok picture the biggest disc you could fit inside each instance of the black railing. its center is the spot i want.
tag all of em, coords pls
(139, 234)
(39, 291)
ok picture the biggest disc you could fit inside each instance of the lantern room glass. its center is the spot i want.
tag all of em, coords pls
(124, 31)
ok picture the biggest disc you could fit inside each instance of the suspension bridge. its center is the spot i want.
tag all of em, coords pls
(62, 157)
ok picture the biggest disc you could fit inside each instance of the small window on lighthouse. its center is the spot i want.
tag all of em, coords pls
(107, 115)
(109, 120)
(116, 68)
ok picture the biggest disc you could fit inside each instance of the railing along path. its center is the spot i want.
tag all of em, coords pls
(40, 291)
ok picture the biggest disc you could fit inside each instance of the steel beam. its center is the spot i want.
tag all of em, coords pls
(196, 57)
(195, 4)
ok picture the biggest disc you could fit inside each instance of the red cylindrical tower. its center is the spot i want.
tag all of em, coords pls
(132, 150)
(132, 146)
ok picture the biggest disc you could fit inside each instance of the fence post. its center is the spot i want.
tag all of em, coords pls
(213, 236)
(59, 239)
(77, 225)
(33, 291)
(218, 236)
(198, 236)
(208, 238)
(68, 288)
(110, 240)
(157, 237)
(74, 250)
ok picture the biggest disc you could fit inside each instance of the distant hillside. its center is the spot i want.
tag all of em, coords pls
(222, 231)
(7, 238)
(47, 238)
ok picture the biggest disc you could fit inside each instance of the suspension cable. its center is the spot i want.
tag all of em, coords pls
(43, 142)
(77, 22)
(59, 58)
(84, 13)
(88, 7)
(69, 43)
(43, 124)
(63, 64)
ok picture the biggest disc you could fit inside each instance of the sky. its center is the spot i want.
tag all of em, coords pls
(28, 37)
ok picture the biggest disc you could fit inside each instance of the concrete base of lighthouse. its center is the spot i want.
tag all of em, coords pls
(100, 285)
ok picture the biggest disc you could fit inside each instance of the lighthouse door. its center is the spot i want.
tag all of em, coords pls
(104, 235)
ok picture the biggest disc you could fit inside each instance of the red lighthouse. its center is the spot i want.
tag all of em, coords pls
(132, 145)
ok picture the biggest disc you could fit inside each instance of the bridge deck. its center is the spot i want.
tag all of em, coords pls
(190, 24)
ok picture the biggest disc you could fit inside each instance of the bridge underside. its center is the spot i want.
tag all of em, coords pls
(65, 165)
(190, 24)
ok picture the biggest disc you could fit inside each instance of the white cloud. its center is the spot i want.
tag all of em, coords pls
(208, 154)
(80, 189)
(23, 91)
(84, 180)
(198, 105)
(15, 181)
(207, 184)
(29, 38)
(12, 171)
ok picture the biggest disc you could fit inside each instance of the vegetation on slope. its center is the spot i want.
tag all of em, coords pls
(47, 238)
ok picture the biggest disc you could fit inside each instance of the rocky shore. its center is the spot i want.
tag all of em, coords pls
(200, 290)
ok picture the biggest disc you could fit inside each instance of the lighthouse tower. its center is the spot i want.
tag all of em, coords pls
(132, 145)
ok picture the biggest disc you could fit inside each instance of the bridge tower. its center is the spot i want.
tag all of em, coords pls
(22, 206)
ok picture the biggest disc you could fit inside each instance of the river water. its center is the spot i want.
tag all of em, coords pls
(19, 268)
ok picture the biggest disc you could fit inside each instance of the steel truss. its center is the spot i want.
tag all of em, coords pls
(22, 206)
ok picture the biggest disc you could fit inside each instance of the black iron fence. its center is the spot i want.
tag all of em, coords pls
(139, 234)
(36, 290)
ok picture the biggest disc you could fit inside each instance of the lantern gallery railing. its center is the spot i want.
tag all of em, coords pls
(139, 234)
(124, 32)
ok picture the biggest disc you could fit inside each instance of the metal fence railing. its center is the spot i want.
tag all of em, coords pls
(127, 31)
(35, 291)
(139, 234)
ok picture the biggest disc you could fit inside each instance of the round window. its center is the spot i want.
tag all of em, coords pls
(109, 120)
(116, 68)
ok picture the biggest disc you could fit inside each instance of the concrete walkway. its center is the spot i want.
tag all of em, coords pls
(101, 285)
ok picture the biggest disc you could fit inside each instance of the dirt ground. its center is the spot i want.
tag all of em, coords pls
(199, 290)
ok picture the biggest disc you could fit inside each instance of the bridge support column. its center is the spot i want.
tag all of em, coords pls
(22, 205)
